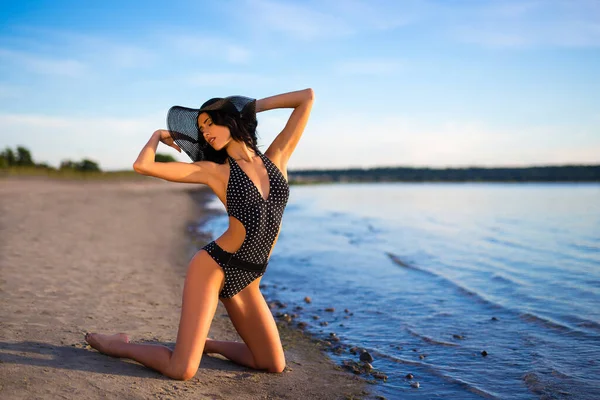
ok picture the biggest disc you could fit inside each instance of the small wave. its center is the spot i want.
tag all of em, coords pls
(593, 282)
(496, 240)
(401, 263)
(548, 323)
(430, 340)
(583, 323)
(478, 297)
(562, 328)
(501, 278)
(585, 247)
(540, 385)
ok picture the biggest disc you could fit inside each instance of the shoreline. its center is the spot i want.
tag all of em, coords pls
(75, 257)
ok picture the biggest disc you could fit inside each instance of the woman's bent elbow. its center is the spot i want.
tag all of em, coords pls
(310, 94)
(139, 168)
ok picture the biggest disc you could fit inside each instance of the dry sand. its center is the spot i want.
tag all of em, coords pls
(111, 257)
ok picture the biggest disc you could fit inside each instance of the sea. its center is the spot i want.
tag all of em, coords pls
(477, 290)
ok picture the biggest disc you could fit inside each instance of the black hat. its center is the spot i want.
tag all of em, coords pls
(182, 123)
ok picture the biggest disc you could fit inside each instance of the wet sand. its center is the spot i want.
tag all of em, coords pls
(111, 257)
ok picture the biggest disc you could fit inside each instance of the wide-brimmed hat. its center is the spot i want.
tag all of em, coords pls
(182, 123)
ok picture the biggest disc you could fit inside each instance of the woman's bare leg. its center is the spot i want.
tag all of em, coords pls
(203, 282)
(253, 320)
(237, 352)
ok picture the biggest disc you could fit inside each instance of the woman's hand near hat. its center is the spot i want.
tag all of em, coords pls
(165, 137)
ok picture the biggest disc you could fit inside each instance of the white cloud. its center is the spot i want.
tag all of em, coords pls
(316, 19)
(207, 47)
(368, 67)
(226, 79)
(43, 65)
(525, 24)
(10, 92)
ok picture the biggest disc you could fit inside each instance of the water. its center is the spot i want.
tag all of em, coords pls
(434, 274)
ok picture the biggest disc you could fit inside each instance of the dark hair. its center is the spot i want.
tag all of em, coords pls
(241, 129)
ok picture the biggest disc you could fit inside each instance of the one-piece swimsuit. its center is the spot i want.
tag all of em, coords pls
(261, 219)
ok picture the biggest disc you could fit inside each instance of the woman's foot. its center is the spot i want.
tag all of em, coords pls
(106, 343)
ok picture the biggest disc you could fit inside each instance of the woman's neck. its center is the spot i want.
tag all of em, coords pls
(239, 152)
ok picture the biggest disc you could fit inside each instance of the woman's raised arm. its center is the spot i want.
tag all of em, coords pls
(198, 172)
(284, 144)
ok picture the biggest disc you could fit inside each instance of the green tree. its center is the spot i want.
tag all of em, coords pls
(164, 158)
(88, 166)
(9, 157)
(67, 164)
(24, 157)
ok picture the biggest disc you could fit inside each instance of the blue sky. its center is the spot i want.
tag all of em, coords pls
(397, 83)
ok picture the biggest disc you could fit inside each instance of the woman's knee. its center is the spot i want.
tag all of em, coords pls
(182, 373)
(277, 365)
(277, 368)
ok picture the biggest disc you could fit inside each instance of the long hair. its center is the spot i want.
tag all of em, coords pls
(241, 129)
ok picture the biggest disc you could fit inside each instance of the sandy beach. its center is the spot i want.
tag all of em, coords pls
(87, 256)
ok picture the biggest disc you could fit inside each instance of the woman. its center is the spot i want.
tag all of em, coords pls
(221, 138)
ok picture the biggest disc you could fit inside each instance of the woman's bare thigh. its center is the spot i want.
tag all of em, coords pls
(203, 282)
(254, 322)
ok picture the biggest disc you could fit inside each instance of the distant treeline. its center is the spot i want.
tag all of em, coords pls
(21, 158)
(567, 173)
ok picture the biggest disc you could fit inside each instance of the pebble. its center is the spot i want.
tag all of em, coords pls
(366, 357)
(455, 336)
(415, 385)
(409, 376)
(484, 353)
(315, 317)
(494, 319)
(379, 375)
(330, 309)
(346, 310)
(302, 325)
(421, 356)
(354, 349)
(367, 367)
(307, 299)
(323, 323)
(352, 366)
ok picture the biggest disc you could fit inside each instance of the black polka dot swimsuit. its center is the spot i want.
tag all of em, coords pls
(261, 218)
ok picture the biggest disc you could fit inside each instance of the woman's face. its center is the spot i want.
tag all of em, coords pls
(217, 136)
